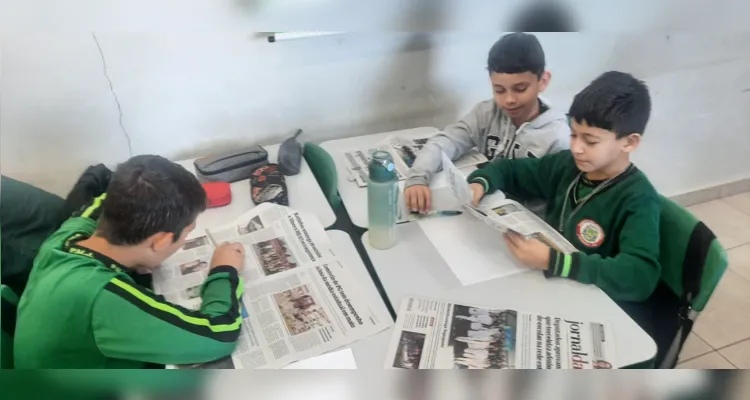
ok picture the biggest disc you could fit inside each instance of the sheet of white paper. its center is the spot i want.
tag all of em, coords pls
(341, 359)
(474, 251)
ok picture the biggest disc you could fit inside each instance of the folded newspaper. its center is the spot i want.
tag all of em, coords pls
(440, 335)
(404, 152)
(502, 213)
(300, 301)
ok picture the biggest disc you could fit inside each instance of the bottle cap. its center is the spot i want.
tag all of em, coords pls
(381, 167)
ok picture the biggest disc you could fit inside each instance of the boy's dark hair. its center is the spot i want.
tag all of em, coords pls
(147, 195)
(614, 101)
(516, 53)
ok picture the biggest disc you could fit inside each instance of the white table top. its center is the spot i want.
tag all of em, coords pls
(353, 196)
(414, 268)
(369, 353)
(303, 191)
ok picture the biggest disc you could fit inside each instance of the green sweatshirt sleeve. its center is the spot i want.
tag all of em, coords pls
(524, 178)
(632, 274)
(131, 322)
(92, 210)
(81, 224)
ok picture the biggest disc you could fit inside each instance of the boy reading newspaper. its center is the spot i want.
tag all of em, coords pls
(503, 214)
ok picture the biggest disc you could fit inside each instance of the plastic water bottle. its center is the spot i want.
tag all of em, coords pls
(382, 200)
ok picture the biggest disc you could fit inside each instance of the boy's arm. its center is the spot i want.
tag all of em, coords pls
(524, 178)
(631, 275)
(132, 323)
(454, 141)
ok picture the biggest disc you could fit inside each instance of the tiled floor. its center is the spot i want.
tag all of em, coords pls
(721, 336)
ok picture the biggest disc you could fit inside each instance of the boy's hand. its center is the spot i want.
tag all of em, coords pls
(477, 192)
(231, 254)
(530, 252)
(418, 198)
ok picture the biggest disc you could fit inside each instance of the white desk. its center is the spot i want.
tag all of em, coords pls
(414, 267)
(369, 353)
(353, 196)
(303, 190)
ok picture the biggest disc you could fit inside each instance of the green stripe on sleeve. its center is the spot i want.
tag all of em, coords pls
(176, 312)
(566, 266)
(484, 183)
(97, 203)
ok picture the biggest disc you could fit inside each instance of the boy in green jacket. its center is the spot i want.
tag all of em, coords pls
(82, 307)
(596, 197)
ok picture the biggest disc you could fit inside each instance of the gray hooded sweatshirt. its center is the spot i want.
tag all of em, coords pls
(492, 132)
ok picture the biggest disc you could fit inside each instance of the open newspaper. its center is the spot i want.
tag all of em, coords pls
(441, 335)
(300, 301)
(404, 151)
(502, 213)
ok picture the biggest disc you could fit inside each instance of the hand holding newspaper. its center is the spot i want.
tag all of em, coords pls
(503, 214)
(441, 335)
(300, 301)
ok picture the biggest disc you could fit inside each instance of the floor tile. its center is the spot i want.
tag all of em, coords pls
(694, 347)
(726, 319)
(730, 225)
(738, 354)
(739, 260)
(712, 360)
(740, 202)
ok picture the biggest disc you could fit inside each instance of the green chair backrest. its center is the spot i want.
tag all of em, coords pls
(9, 306)
(322, 166)
(689, 252)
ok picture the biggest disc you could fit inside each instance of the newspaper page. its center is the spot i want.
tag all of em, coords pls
(404, 151)
(504, 214)
(300, 301)
(441, 335)
(180, 277)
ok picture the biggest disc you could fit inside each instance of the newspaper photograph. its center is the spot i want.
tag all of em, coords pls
(504, 214)
(440, 335)
(300, 300)
(404, 152)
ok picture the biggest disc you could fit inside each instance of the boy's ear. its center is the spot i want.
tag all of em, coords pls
(161, 240)
(544, 80)
(631, 142)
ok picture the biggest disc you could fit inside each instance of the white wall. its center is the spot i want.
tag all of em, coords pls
(186, 94)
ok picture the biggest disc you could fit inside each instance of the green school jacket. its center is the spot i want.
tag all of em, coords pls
(82, 310)
(616, 231)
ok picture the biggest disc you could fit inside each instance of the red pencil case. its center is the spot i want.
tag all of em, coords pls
(218, 193)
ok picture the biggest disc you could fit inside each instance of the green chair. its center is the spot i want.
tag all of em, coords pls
(324, 169)
(693, 262)
(9, 304)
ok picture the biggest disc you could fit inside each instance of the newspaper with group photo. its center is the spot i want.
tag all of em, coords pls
(300, 301)
(502, 213)
(441, 335)
(404, 151)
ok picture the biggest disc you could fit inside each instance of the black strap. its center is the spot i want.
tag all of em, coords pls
(8, 322)
(692, 267)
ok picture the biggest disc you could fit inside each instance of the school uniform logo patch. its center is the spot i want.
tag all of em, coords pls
(590, 233)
